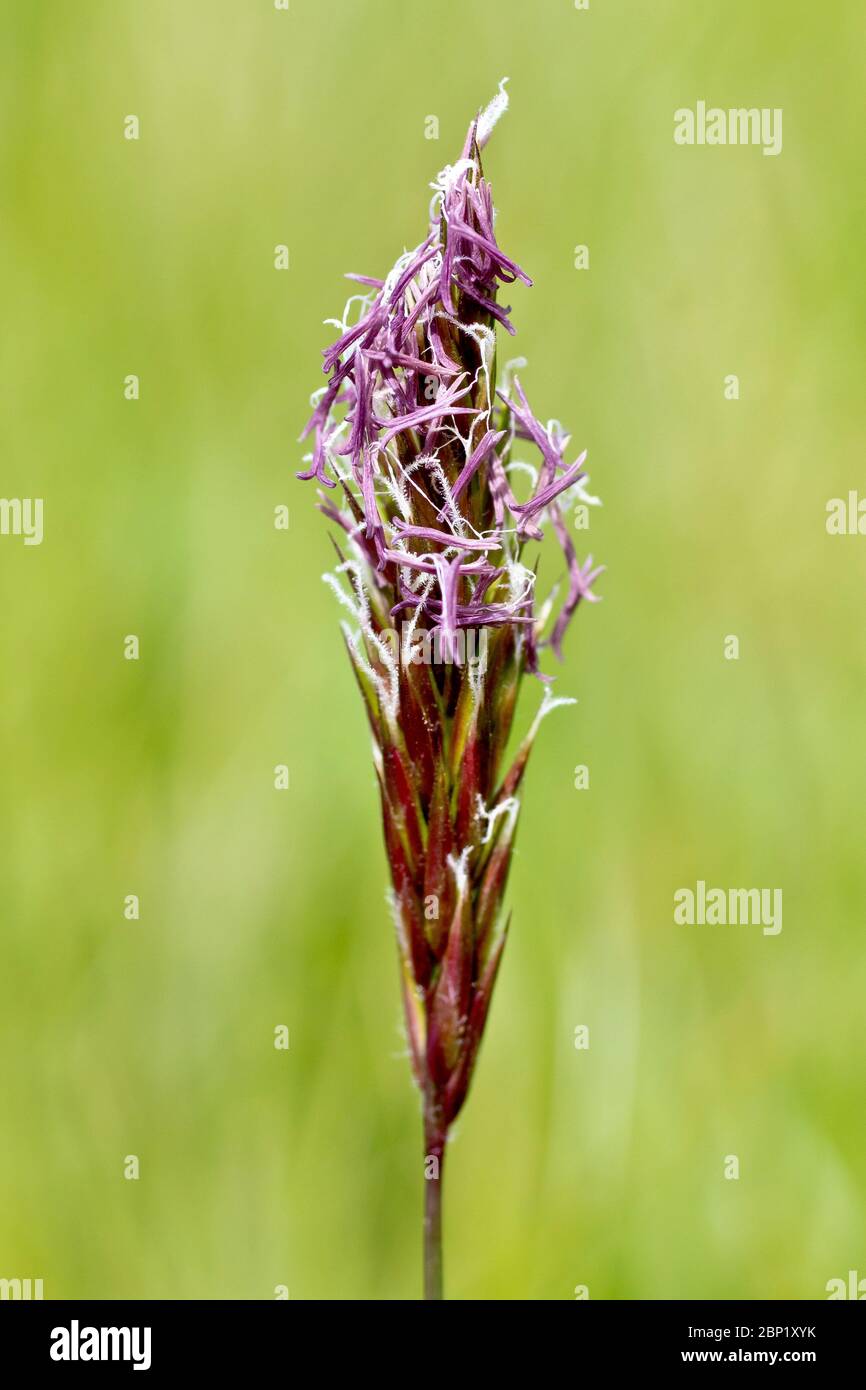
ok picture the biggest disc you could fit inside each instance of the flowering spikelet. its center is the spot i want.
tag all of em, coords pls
(421, 463)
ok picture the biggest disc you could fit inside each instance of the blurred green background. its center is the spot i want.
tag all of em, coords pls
(262, 1167)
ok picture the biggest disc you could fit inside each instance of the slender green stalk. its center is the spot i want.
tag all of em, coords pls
(433, 1238)
(434, 1158)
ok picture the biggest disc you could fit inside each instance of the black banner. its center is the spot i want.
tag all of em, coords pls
(152, 1338)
